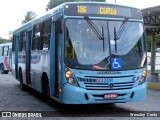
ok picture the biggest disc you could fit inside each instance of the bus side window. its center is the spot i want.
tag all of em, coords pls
(36, 37)
(22, 41)
(45, 36)
(5, 50)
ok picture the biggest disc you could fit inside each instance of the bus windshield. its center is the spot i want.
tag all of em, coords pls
(84, 49)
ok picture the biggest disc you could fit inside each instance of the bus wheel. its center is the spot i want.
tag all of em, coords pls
(2, 71)
(22, 86)
(47, 94)
(5, 72)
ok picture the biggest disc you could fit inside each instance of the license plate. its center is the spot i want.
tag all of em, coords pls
(110, 95)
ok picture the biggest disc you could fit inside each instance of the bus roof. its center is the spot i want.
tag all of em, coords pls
(4, 44)
(60, 9)
(105, 3)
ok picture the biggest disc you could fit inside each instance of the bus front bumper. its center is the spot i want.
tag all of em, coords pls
(76, 95)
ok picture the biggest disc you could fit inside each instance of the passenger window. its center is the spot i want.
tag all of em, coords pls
(36, 37)
(22, 42)
(5, 50)
(45, 36)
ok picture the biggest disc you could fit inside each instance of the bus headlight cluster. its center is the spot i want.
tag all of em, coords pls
(144, 77)
(70, 77)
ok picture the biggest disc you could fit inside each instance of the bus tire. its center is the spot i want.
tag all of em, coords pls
(2, 71)
(6, 72)
(47, 94)
(22, 86)
(46, 90)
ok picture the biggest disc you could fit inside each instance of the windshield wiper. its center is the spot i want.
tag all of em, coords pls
(115, 39)
(117, 35)
(94, 28)
(121, 29)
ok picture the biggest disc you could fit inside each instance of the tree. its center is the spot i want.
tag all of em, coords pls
(149, 39)
(2, 40)
(10, 34)
(53, 3)
(158, 41)
(29, 16)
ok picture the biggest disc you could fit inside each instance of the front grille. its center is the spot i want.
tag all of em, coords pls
(92, 84)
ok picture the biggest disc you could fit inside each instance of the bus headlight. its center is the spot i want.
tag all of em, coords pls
(144, 77)
(69, 74)
(71, 78)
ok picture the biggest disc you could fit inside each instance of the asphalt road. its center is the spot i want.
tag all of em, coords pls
(13, 99)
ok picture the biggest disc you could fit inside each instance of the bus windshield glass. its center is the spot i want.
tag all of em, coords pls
(85, 50)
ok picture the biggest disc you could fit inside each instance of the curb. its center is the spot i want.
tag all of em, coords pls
(154, 85)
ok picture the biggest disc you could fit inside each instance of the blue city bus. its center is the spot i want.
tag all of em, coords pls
(83, 53)
(5, 57)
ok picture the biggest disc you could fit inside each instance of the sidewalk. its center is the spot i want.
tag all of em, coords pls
(153, 85)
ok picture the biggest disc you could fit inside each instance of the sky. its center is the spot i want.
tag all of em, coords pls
(12, 11)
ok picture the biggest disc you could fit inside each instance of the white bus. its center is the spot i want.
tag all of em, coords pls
(158, 50)
(5, 57)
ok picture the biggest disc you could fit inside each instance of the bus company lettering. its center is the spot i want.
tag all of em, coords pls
(104, 80)
(108, 11)
(108, 72)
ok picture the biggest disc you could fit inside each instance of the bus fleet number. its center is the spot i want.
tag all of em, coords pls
(82, 9)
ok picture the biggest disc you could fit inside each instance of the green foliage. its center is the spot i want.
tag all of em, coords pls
(4, 41)
(29, 16)
(158, 41)
(149, 39)
(53, 3)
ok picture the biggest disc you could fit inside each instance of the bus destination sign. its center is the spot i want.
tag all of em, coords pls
(102, 10)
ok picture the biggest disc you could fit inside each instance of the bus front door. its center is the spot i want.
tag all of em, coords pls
(28, 58)
(16, 56)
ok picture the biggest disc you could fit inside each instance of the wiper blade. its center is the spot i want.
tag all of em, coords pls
(94, 28)
(121, 29)
(117, 35)
(115, 39)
